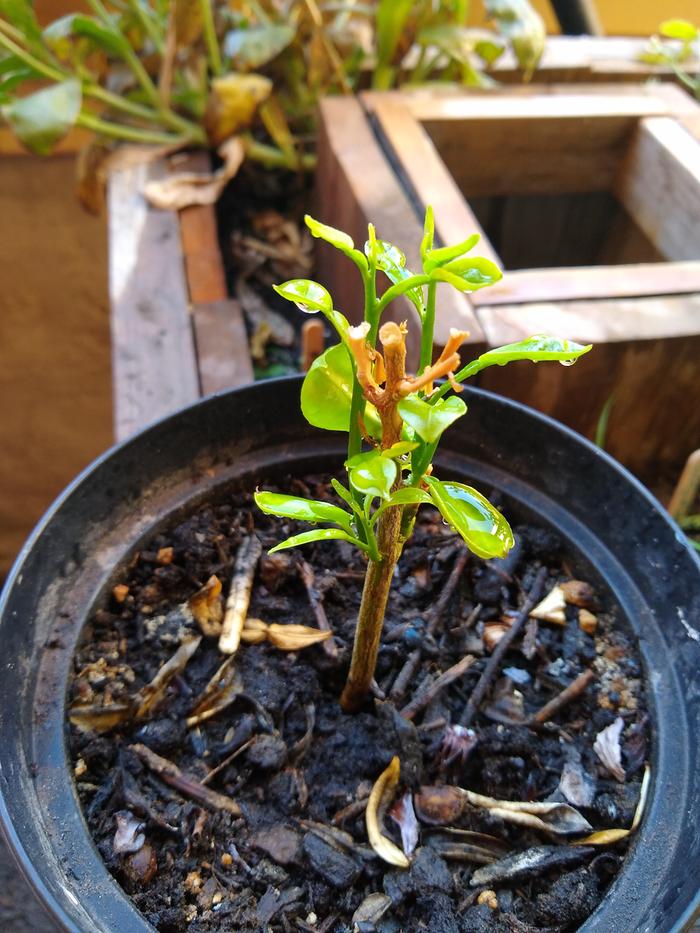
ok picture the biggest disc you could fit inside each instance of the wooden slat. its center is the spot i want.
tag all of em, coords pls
(533, 142)
(356, 185)
(592, 282)
(72, 143)
(153, 357)
(659, 184)
(222, 346)
(588, 58)
(424, 171)
(645, 351)
(204, 267)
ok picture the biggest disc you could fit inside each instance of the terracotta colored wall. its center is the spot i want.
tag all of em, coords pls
(54, 340)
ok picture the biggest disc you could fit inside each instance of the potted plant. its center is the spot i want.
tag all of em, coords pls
(164, 725)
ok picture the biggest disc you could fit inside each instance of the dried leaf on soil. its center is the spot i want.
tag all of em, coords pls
(154, 692)
(534, 861)
(403, 814)
(372, 909)
(207, 608)
(606, 837)
(607, 748)
(285, 637)
(186, 188)
(97, 718)
(222, 689)
(127, 837)
(552, 608)
(169, 772)
(378, 800)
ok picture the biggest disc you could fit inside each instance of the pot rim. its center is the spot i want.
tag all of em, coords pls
(52, 905)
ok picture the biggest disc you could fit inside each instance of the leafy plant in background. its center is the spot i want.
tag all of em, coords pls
(197, 72)
(677, 43)
(356, 387)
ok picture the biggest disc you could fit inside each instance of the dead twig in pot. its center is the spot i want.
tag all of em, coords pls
(308, 579)
(239, 595)
(494, 662)
(420, 701)
(575, 689)
(169, 772)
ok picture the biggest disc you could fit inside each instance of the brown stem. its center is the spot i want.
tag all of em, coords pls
(372, 608)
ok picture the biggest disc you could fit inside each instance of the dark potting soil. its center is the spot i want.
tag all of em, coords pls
(297, 857)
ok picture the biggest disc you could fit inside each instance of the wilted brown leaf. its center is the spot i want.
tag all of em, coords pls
(207, 607)
(220, 692)
(607, 748)
(232, 104)
(100, 718)
(152, 694)
(186, 188)
(552, 608)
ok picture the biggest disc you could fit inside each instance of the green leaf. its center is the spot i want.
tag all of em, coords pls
(407, 495)
(681, 29)
(307, 295)
(485, 531)
(439, 257)
(522, 26)
(457, 42)
(468, 275)
(489, 50)
(399, 449)
(257, 45)
(100, 35)
(13, 73)
(371, 474)
(305, 510)
(318, 534)
(391, 19)
(20, 14)
(335, 237)
(40, 120)
(391, 260)
(537, 348)
(326, 393)
(429, 421)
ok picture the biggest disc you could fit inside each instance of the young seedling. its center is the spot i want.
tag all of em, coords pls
(394, 420)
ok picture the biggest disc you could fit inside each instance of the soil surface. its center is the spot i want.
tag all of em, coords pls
(297, 856)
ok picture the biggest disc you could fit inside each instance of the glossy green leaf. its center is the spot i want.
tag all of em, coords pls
(536, 349)
(318, 534)
(485, 531)
(469, 274)
(399, 449)
(13, 73)
(429, 421)
(307, 295)
(305, 510)
(443, 255)
(681, 29)
(335, 237)
(489, 49)
(371, 474)
(326, 393)
(407, 495)
(391, 260)
(257, 45)
(40, 120)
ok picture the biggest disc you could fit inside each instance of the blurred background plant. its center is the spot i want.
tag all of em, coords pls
(195, 72)
(676, 44)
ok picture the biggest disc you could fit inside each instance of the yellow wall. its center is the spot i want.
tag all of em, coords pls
(619, 17)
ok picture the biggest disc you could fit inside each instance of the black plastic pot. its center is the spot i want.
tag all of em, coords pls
(615, 531)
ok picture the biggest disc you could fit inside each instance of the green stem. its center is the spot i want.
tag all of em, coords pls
(272, 157)
(127, 133)
(148, 24)
(400, 289)
(357, 404)
(47, 71)
(212, 42)
(471, 369)
(426, 337)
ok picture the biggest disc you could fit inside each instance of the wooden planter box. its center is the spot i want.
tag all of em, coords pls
(552, 178)
(176, 335)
